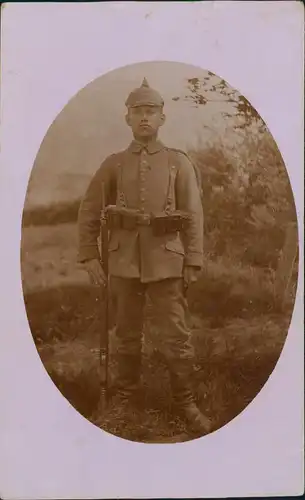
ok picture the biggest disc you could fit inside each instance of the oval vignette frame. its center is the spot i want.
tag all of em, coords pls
(245, 282)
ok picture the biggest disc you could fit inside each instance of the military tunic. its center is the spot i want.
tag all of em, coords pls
(150, 180)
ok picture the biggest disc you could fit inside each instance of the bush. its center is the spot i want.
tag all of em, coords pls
(59, 213)
(247, 199)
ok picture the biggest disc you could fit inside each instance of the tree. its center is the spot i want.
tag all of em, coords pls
(213, 89)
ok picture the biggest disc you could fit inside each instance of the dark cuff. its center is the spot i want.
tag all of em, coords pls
(194, 260)
(88, 253)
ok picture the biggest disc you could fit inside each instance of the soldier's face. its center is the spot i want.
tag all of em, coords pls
(145, 120)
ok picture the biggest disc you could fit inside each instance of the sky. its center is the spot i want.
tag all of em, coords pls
(92, 126)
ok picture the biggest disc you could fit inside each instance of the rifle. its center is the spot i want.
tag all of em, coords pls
(104, 330)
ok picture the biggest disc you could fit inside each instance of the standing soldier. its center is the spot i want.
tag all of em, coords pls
(152, 251)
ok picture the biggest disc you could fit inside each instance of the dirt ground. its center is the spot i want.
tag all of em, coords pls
(231, 366)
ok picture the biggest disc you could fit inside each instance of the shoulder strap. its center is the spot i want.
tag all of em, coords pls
(174, 151)
(120, 195)
(170, 197)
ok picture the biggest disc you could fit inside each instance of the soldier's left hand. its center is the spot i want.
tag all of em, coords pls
(191, 275)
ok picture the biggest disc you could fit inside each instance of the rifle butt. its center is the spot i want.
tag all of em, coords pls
(103, 378)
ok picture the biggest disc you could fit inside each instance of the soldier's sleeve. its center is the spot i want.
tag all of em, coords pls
(90, 210)
(188, 199)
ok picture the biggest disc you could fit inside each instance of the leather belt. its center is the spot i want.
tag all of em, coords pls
(161, 223)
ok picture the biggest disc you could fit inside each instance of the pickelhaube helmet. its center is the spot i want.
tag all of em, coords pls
(144, 96)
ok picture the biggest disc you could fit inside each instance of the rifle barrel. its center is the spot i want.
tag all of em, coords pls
(104, 337)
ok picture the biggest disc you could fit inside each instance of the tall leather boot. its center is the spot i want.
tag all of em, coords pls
(128, 379)
(184, 403)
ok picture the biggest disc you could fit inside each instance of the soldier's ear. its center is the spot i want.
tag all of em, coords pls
(162, 119)
(127, 118)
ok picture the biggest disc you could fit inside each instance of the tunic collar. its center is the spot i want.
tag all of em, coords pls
(151, 147)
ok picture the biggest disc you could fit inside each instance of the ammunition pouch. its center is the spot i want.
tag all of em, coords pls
(161, 224)
(172, 222)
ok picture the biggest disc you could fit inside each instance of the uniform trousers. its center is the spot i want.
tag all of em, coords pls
(168, 327)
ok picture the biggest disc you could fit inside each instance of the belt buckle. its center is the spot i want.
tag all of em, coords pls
(143, 219)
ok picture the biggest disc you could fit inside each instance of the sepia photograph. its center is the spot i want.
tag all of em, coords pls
(159, 252)
(152, 339)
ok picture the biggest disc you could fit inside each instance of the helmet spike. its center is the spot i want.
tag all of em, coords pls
(145, 83)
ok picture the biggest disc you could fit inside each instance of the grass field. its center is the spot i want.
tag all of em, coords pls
(237, 330)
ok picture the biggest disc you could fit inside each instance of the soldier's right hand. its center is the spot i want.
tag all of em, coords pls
(95, 271)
